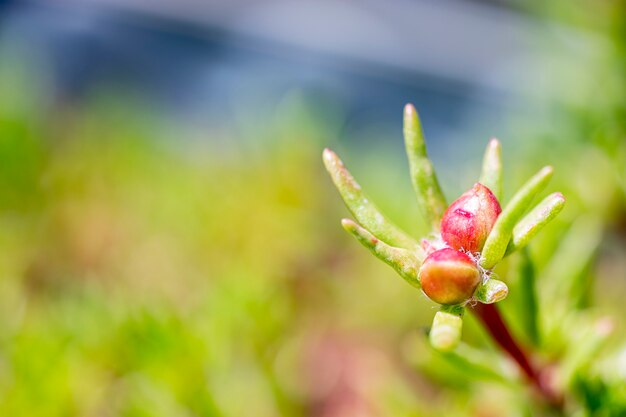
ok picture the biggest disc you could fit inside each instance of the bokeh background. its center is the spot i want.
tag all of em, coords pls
(170, 243)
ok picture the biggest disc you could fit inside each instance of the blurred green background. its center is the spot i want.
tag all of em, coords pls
(170, 244)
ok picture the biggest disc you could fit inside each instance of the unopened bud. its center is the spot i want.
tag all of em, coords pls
(449, 276)
(467, 222)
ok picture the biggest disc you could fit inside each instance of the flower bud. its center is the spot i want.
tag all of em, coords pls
(467, 222)
(449, 276)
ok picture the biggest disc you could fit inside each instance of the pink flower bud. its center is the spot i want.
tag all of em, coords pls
(467, 222)
(449, 276)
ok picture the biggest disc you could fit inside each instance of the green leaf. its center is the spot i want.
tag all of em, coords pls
(491, 175)
(568, 283)
(491, 291)
(429, 196)
(479, 364)
(587, 344)
(529, 310)
(361, 206)
(405, 262)
(533, 222)
(498, 239)
(445, 333)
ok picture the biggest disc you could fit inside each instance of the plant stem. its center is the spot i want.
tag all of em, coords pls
(492, 320)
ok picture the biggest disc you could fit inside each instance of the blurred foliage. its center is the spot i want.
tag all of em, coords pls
(142, 276)
(147, 269)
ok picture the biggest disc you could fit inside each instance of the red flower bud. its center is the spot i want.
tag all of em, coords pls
(449, 276)
(467, 222)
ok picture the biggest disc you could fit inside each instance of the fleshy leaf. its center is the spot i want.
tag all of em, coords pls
(527, 294)
(479, 364)
(429, 196)
(533, 222)
(498, 239)
(405, 262)
(491, 175)
(361, 207)
(569, 286)
(491, 291)
(445, 332)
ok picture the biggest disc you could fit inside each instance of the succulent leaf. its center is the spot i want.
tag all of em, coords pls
(429, 196)
(533, 222)
(498, 239)
(445, 332)
(527, 293)
(491, 175)
(361, 206)
(491, 291)
(405, 262)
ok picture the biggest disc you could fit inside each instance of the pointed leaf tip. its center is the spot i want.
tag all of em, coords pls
(409, 110)
(494, 146)
(491, 174)
(328, 156)
(347, 223)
